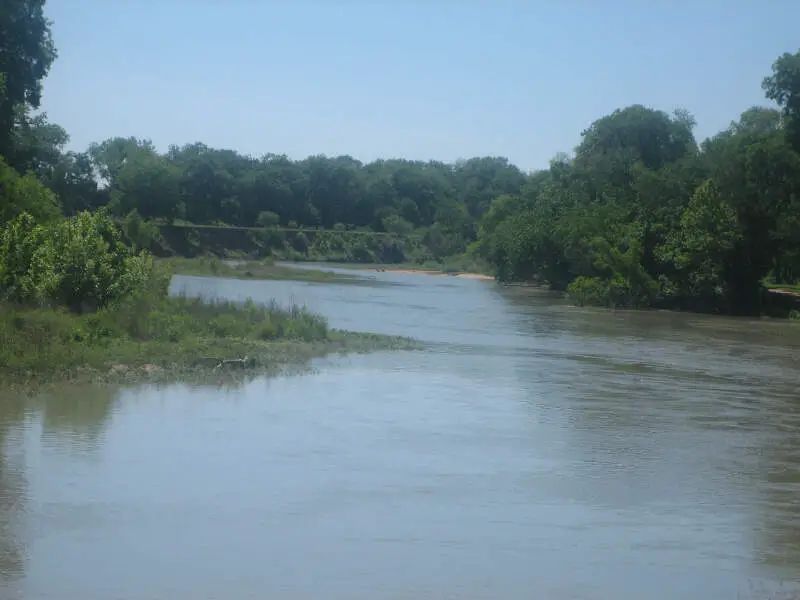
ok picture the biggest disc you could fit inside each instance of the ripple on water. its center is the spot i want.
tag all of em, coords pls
(529, 446)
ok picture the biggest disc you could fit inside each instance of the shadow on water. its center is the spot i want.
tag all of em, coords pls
(13, 492)
(76, 418)
(777, 524)
(73, 420)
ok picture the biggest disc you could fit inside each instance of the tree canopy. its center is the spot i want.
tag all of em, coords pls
(640, 214)
(26, 53)
(643, 216)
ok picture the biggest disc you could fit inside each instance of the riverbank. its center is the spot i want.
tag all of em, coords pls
(209, 266)
(464, 275)
(786, 289)
(173, 338)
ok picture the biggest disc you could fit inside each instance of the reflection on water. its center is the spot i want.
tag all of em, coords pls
(12, 493)
(76, 419)
(532, 449)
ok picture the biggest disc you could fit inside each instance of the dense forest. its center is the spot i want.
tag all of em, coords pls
(640, 214)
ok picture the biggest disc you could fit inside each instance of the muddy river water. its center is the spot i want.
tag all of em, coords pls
(529, 450)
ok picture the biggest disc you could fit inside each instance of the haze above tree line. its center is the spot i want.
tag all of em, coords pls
(640, 214)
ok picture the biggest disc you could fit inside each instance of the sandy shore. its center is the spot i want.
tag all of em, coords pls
(426, 272)
(786, 292)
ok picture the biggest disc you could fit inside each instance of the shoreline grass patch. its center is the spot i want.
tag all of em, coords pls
(209, 266)
(173, 338)
(76, 303)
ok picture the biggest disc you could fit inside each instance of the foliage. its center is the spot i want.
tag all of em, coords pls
(24, 194)
(139, 233)
(267, 218)
(589, 291)
(168, 331)
(248, 269)
(200, 185)
(642, 215)
(783, 87)
(26, 53)
(80, 263)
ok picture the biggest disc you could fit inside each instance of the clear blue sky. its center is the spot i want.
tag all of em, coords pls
(439, 79)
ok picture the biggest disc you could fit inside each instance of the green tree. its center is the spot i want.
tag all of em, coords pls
(80, 263)
(148, 183)
(26, 54)
(783, 87)
(73, 181)
(38, 144)
(110, 156)
(24, 194)
(704, 245)
(267, 218)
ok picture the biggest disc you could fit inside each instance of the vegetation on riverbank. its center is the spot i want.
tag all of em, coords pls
(641, 214)
(450, 266)
(81, 296)
(266, 269)
(644, 216)
(174, 337)
(79, 303)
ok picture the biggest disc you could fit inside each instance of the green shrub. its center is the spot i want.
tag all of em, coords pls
(589, 291)
(26, 261)
(80, 263)
(267, 218)
(24, 194)
(140, 233)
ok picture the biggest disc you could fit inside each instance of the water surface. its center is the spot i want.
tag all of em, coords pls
(532, 450)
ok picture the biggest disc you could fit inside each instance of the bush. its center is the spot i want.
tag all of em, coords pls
(21, 194)
(80, 263)
(267, 218)
(589, 291)
(140, 233)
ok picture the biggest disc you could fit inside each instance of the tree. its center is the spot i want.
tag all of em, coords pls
(80, 263)
(38, 145)
(639, 134)
(783, 87)
(24, 194)
(26, 54)
(73, 181)
(148, 183)
(641, 215)
(267, 218)
(110, 156)
(704, 244)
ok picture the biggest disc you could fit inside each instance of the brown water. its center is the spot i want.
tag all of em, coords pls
(532, 450)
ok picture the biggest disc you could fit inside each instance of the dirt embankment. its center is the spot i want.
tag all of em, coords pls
(794, 293)
(439, 273)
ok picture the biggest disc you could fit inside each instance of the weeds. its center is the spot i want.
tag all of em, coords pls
(165, 333)
(264, 269)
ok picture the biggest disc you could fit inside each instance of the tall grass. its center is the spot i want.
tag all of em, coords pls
(249, 269)
(148, 327)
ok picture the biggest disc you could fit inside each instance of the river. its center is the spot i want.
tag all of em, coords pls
(530, 450)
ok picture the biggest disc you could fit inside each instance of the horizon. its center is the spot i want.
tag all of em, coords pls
(379, 82)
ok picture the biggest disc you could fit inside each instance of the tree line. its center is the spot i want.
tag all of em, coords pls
(643, 215)
(201, 185)
(640, 214)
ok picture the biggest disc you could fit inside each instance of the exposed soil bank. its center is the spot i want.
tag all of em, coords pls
(440, 273)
